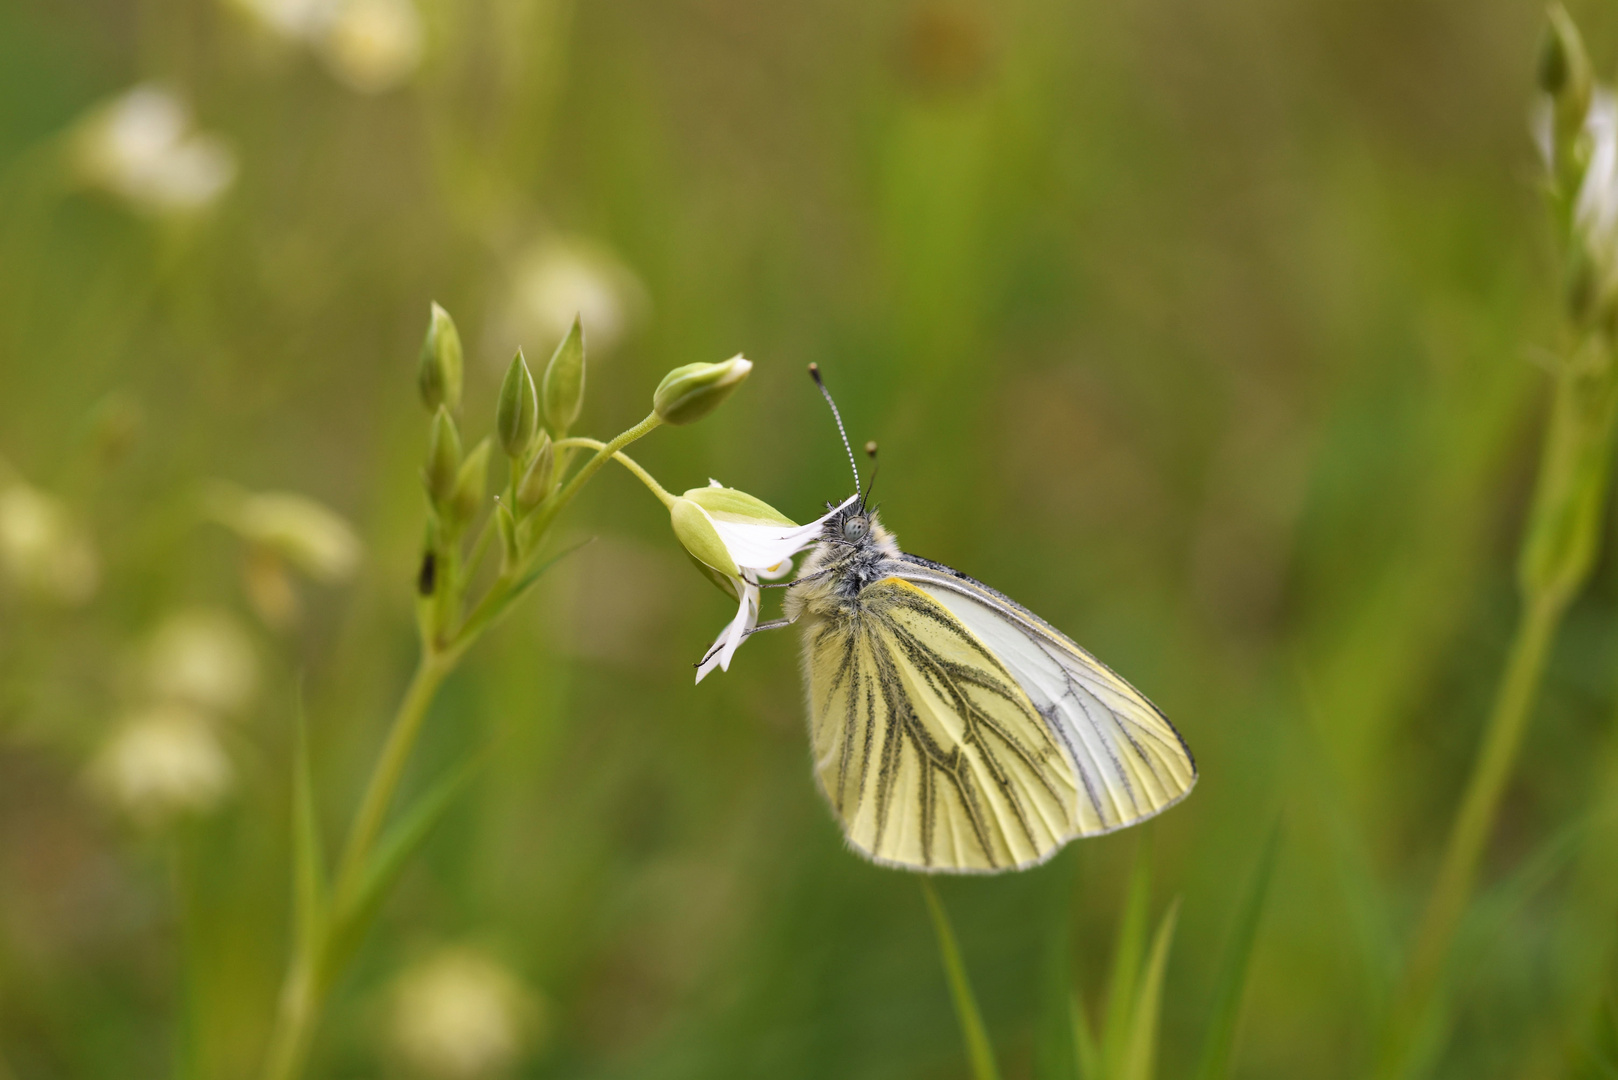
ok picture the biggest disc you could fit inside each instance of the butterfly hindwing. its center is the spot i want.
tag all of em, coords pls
(932, 755)
(1130, 762)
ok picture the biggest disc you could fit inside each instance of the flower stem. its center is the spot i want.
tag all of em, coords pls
(424, 684)
(494, 600)
(627, 462)
(1558, 551)
(1474, 822)
(303, 991)
(558, 502)
(973, 1033)
(308, 976)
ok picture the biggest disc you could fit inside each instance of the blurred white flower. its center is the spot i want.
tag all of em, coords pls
(143, 147)
(1595, 210)
(311, 537)
(162, 762)
(43, 550)
(373, 45)
(554, 281)
(296, 19)
(202, 658)
(459, 1015)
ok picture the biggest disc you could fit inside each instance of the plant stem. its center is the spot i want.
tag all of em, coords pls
(558, 502)
(424, 684)
(978, 1048)
(1474, 822)
(308, 977)
(303, 991)
(627, 462)
(533, 528)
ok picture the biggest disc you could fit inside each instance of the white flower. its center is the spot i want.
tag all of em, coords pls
(460, 1015)
(373, 45)
(142, 147)
(202, 658)
(313, 538)
(43, 550)
(742, 541)
(555, 281)
(162, 762)
(294, 19)
(1595, 210)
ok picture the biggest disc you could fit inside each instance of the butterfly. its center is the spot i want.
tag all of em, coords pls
(953, 730)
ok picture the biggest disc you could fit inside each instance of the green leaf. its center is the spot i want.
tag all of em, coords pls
(1126, 961)
(1220, 1041)
(309, 889)
(1140, 1060)
(357, 906)
(973, 1032)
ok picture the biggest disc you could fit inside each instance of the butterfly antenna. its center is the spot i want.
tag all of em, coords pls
(814, 373)
(876, 466)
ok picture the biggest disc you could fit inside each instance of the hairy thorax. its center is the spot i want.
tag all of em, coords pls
(840, 568)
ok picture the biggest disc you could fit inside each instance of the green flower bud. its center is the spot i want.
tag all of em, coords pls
(728, 504)
(443, 458)
(536, 481)
(696, 533)
(564, 381)
(689, 393)
(471, 483)
(1564, 74)
(517, 417)
(699, 514)
(1564, 67)
(439, 374)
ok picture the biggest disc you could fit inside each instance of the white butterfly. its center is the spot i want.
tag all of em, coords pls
(953, 729)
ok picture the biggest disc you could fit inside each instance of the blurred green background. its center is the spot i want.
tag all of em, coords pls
(1212, 332)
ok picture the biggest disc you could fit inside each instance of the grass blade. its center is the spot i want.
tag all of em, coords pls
(1220, 1041)
(309, 888)
(1055, 1047)
(1126, 961)
(1141, 1058)
(976, 1036)
(1085, 1050)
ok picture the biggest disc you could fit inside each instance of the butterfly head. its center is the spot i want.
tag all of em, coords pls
(857, 530)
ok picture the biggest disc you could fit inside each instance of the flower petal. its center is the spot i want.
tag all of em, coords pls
(731, 638)
(759, 546)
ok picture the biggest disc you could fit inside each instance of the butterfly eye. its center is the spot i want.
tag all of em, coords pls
(854, 529)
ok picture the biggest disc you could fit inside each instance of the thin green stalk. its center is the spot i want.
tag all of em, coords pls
(626, 461)
(303, 992)
(1474, 822)
(978, 1048)
(558, 502)
(308, 977)
(384, 782)
(495, 599)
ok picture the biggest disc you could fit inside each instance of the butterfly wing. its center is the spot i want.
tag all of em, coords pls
(1130, 762)
(930, 753)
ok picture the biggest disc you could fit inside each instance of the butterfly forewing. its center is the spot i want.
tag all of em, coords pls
(1130, 761)
(930, 752)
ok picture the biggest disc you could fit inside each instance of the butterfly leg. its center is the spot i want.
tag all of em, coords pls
(777, 624)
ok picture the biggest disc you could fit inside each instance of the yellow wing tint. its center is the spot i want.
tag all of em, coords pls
(931, 755)
(1131, 763)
